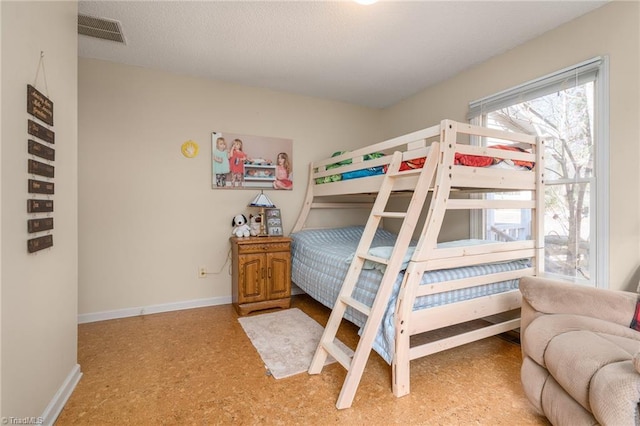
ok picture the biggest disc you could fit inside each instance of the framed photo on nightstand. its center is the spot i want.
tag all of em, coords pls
(274, 222)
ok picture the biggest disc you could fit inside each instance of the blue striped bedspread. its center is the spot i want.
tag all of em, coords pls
(321, 257)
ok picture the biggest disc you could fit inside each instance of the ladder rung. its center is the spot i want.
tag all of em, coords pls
(356, 305)
(375, 259)
(334, 350)
(399, 215)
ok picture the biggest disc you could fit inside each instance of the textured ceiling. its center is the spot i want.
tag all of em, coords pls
(371, 55)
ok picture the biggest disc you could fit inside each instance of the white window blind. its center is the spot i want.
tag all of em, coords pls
(569, 77)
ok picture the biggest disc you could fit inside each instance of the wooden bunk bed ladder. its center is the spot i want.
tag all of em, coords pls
(327, 346)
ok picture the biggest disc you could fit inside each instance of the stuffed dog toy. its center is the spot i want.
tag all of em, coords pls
(240, 226)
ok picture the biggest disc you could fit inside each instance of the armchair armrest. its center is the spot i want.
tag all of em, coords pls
(549, 296)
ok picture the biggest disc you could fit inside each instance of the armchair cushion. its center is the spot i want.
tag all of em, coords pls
(556, 297)
(580, 355)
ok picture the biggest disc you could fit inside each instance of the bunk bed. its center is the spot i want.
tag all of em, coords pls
(398, 285)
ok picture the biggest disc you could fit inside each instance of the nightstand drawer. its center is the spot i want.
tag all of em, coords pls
(263, 248)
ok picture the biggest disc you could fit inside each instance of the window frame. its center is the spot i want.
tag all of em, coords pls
(597, 70)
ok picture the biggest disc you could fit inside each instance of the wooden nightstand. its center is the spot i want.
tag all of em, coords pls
(261, 277)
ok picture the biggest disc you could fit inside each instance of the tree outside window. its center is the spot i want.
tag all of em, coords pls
(565, 120)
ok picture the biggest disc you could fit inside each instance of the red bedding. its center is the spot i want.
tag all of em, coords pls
(470, 160)
(479, 161)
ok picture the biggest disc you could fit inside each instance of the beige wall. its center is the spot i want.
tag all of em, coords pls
(148, 215)
(612, 30)
(39, 291)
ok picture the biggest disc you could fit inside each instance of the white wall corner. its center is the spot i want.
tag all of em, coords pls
(61, 397)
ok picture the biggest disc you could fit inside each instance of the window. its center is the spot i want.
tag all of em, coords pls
(569, 109)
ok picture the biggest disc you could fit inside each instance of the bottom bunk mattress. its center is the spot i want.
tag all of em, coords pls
(321, 258)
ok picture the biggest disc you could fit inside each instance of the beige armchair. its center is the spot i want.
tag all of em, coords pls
(581, 361)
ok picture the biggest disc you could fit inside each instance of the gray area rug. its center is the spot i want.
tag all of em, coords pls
(286, 340)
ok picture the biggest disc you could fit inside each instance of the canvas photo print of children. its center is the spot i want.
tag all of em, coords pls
(249, 162)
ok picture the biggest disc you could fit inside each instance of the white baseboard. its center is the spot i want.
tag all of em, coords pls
(153, 309)
(61, 397)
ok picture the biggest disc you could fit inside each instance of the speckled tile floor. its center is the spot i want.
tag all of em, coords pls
(197, 367)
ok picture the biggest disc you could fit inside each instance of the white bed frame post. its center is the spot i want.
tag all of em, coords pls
(426, 244)
(306, 204)
(538, 216)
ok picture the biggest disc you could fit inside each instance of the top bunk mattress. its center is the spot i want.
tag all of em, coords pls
(461, 159)
(321, 258)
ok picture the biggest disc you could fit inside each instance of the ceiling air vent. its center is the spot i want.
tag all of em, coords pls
(105, 29)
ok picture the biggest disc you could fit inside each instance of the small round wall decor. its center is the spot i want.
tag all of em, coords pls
(189, 149)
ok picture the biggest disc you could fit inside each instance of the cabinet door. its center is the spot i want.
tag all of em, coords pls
(279, 275)
(251, 278)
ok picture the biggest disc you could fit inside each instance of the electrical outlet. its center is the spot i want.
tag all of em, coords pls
(202, 272)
